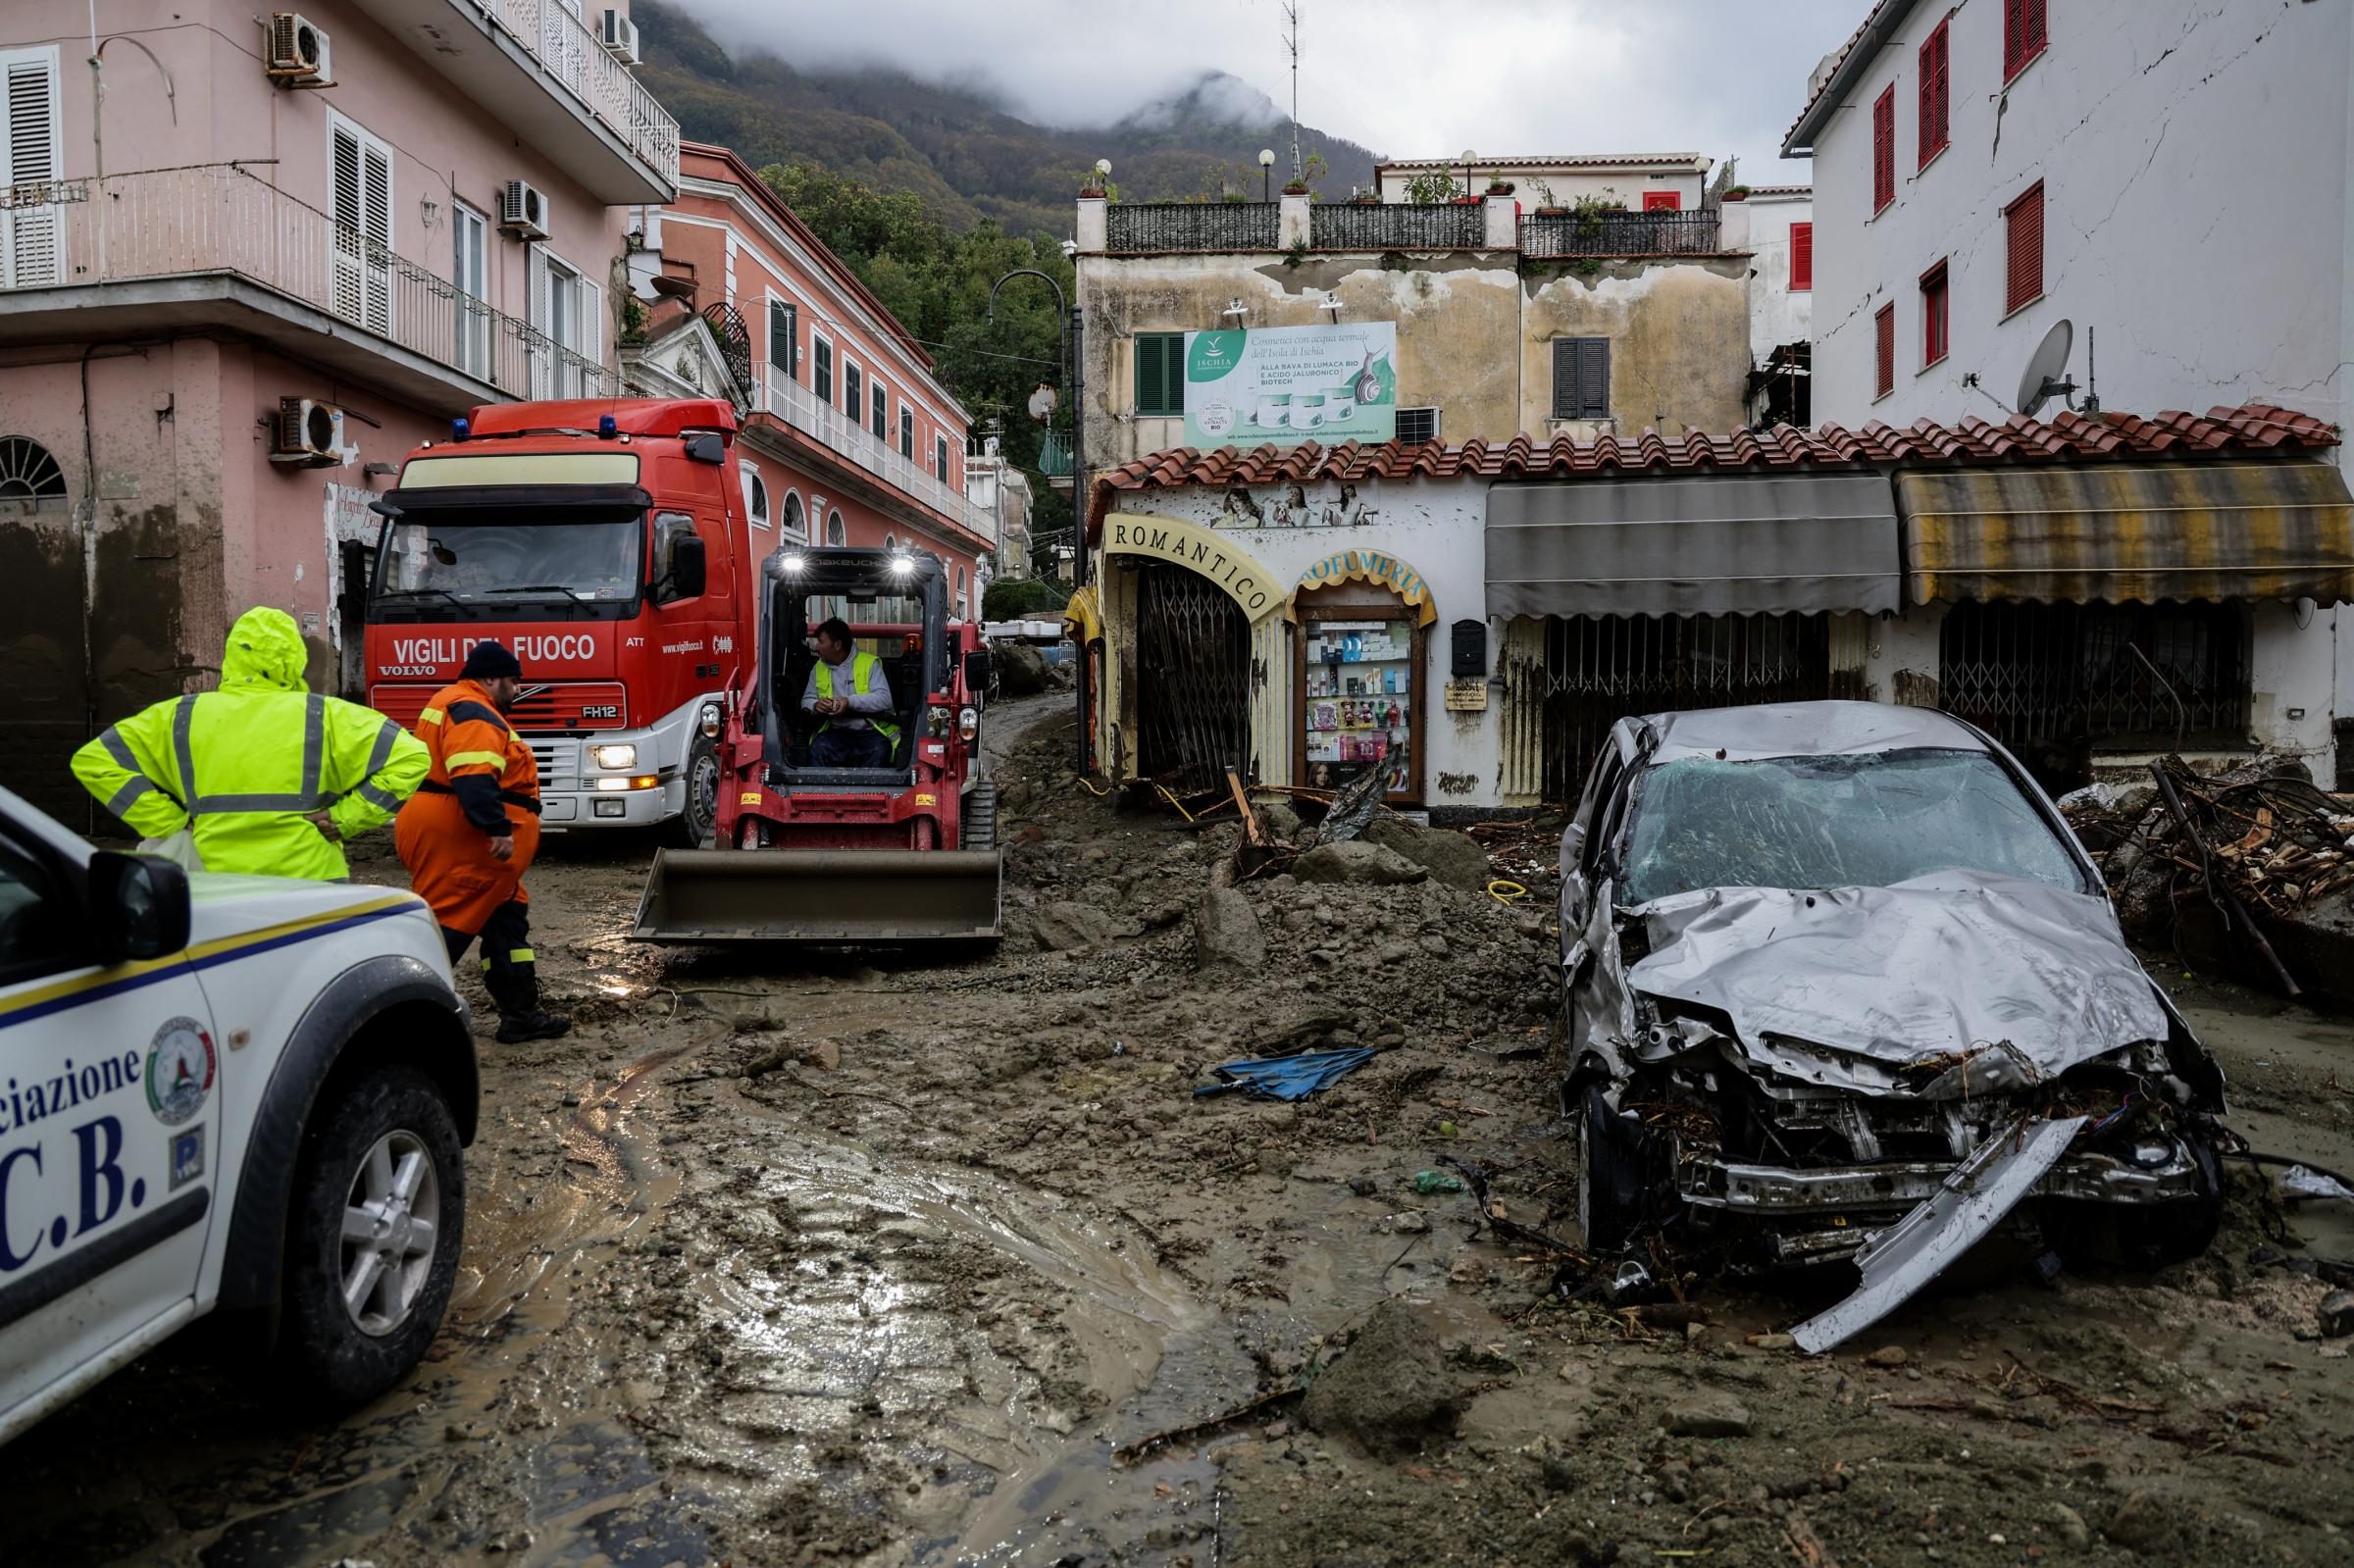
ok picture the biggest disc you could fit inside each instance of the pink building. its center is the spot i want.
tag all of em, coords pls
(849, 438)
(247, 259)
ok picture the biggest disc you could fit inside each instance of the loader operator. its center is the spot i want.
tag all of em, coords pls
(265, 776)
(848, 693)
(470, 831)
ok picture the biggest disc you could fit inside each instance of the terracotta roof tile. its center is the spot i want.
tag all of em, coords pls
(2067, 437)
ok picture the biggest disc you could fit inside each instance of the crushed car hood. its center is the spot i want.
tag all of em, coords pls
(1895, 975)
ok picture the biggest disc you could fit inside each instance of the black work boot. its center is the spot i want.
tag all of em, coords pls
(516, 994)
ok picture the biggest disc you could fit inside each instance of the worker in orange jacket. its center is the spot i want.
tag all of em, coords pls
(469, 833)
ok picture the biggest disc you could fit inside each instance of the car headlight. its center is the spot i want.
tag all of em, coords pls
(619, 758)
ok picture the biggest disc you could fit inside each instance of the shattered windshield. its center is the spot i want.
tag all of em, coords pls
(471, 557)
(1866, 821)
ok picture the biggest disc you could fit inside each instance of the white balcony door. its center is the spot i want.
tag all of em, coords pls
(470, 273)
(567, 350)
(31, 159)
(361, 177)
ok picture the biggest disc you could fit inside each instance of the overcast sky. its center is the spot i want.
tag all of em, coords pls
(1406, 78)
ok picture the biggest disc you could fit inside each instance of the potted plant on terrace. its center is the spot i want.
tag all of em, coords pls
(1497, 186)
(1548, 205)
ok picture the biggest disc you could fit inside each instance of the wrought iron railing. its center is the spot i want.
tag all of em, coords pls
(1398, 226)
(1158, 225)
(1620, 234)
(560, 40)
(797, 406)
(215, 218)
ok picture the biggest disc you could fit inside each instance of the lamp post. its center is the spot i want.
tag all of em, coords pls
(1266, 173)
(1469, 155)
(1074, 372)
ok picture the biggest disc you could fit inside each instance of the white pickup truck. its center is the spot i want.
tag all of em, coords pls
(219, 1094)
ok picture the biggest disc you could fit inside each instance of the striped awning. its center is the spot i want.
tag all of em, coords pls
(2128, 533)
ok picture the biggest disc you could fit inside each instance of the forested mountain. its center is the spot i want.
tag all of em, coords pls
(964, 156)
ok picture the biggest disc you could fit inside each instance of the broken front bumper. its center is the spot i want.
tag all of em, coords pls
(2160, 1170)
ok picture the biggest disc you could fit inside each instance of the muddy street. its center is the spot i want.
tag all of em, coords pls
(811, 1259)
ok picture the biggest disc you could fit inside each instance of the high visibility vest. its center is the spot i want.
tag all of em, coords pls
(862, 681)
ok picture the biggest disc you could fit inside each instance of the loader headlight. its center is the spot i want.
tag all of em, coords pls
(901, 566)
(709, 720)
(968, 722)
(794, 564)
(618, 758)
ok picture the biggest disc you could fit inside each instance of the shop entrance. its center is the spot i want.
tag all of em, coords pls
(1193, 667)
(1359, 688)
(1602, 669)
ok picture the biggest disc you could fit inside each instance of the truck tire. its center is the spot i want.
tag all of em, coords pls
(696, 825)
(979, 827)
(378, 1215)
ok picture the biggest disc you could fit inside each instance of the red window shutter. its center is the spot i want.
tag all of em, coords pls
(2025, 243)
(1935, 339)
(1884, 328)
(2023, 36)
(1934, 97)
(1883, 149)
(1662, 201)
(1802, 257)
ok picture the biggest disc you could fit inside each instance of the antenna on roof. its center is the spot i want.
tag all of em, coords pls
(1291, 41)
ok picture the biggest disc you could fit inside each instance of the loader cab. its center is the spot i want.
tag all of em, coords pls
(895, 604)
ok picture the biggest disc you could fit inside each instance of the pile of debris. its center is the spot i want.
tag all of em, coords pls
(2248, 870)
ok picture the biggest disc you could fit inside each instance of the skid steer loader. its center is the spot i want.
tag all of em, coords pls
(903, 854)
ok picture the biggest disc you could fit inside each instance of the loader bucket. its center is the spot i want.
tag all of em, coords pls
(884, 897)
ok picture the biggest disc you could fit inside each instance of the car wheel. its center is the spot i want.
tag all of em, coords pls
(696, 825)
(1612, 1175)
(372, 1235)
(2142, 1236)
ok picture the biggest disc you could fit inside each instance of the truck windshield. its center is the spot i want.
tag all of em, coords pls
(477, 556)
(1867, 820)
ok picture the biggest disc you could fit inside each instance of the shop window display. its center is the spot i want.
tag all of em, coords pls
(1360, 685)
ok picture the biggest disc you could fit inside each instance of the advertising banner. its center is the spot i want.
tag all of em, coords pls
(1289, 384)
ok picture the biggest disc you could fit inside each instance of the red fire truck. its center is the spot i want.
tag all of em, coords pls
(605, 542)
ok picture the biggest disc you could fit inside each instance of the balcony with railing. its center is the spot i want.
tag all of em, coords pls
(283, 271)
(539, 66)
(1398, 226)
(797, 406)
(1147, 227)
(1620, 234)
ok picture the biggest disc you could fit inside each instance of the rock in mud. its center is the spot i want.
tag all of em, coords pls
(2336, 1314)
(1226, 934)
(1453, 859)
(2143, 1523)
(1389, 1389)
(2071, 1525)
(1064, 925)
(1357, 861)
(1276, 818)
(823, 1053)
(1708, 1415)
(1021, 669)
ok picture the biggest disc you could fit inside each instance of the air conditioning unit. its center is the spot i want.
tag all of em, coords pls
(309, 433)
(297, 51)
(523, 211)
(619, 34)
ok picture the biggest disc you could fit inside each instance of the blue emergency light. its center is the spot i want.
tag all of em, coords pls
(608, 426)
(459, 430)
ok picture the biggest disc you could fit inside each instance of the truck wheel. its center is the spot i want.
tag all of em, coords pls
(372, 1236)
(696, 825)
(979, 827)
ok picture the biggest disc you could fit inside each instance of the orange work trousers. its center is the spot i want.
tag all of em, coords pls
(450, 860)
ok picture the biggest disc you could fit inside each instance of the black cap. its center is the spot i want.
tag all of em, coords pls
(487, 661)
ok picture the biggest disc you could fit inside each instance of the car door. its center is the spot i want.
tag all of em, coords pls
(109, 1076)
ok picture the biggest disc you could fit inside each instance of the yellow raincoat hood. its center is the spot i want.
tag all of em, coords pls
(264, 653)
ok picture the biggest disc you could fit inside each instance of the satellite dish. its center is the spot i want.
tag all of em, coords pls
(2041, 382)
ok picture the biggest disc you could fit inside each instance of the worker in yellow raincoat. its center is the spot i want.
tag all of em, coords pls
(271, 776)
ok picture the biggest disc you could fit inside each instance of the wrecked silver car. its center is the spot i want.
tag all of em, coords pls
(1833, 966)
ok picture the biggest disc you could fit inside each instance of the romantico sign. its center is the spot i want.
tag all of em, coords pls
(1373, 566)
(1198, 550)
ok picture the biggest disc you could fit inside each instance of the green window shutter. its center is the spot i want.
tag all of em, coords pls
(1564, 377)
(1174, 356)
(1151, 372)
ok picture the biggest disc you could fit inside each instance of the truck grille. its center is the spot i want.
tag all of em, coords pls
(568, 705)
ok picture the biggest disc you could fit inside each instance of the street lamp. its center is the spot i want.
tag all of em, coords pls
(1267, 172)
(1469, 155)
(1074, 374)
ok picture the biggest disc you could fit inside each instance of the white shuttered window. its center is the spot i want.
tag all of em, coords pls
(32, 156)
(360, 179)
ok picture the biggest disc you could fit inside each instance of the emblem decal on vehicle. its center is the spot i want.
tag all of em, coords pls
(188, 1156)
(180, 1071)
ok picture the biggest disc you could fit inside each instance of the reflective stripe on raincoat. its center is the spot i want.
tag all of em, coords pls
(251, 759)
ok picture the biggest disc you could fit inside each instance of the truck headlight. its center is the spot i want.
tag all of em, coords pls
(968, 723)
(619, 758)
(709, 720)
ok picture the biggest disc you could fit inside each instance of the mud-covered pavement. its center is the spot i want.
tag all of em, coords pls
(784, 1259)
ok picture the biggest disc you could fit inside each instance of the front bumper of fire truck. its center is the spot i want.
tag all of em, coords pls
(617, 778)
